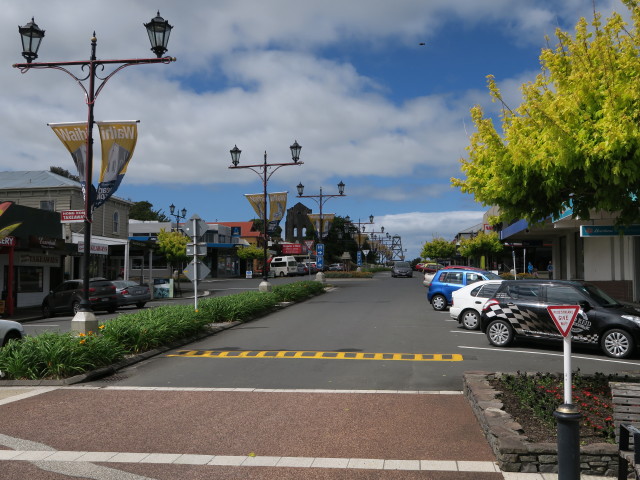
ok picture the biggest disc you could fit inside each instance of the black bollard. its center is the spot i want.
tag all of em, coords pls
(568, 418)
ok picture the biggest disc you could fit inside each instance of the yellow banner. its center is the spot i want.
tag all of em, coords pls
(277, 206)
(118, 140)
(74, 136)
(257, 202)
(326, 223)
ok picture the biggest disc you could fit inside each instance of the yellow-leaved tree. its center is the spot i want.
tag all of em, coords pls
(575, 139)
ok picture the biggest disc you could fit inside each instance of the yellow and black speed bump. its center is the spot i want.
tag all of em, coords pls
(407, 357)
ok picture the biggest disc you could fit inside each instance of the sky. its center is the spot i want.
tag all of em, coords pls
(348, 80)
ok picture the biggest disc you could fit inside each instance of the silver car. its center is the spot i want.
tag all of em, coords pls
(401, 269)
(129, 292)
(10, 330)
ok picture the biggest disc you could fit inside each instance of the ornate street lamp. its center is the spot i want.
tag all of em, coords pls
(264, 171)
(321, 200)
(31, 37)
(178, 215)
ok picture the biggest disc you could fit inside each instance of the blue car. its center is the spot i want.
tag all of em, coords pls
(446, 281)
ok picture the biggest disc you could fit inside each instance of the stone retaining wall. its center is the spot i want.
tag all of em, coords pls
(511, 447)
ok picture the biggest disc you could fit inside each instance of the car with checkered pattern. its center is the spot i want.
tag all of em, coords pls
(518, 309)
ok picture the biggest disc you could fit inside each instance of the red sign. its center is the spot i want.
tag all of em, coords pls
(8, 242)
(564, 316)
(72, 216)
(293, 249)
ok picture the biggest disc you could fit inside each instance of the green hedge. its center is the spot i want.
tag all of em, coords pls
(349, 274)
(61, 355)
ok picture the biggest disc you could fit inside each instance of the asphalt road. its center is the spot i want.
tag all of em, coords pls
(338, 341)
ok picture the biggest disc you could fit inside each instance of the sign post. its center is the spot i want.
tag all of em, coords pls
(567, 414)
(196, 228)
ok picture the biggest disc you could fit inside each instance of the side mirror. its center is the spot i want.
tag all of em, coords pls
(586, 306)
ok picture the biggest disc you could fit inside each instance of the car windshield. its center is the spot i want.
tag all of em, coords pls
(599, 296)
(402, 264)
(492, 276)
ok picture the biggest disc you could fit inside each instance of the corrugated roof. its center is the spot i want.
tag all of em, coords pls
(38, 179)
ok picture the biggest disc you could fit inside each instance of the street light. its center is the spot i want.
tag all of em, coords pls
(177, 216)
(321, 200)
(361, 230)
(264, 171)
(31, 36)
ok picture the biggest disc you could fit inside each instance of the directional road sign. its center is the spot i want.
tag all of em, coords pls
(195, 229)
(320, 262)
(200, 249)
(320, 249)
(190, 271)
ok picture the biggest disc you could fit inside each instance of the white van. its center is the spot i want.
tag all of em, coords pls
(284, 266)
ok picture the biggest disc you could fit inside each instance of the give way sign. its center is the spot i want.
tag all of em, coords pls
(564, 316)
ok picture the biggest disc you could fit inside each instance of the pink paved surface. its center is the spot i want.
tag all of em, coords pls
(391, 426)
(331, 425)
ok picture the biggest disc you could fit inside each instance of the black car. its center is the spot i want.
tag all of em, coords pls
(401, 269)
(66, 297)
(519, 309)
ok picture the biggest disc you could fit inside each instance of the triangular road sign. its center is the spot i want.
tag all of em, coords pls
(564, 316)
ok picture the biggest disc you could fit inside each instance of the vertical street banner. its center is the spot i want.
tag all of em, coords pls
(118, 140)
(73, 135)
(277, 209)
(257, 202)
(326, 224)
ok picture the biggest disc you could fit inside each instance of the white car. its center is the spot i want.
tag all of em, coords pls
(468, 302)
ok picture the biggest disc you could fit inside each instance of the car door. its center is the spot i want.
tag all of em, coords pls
(522, 305)
(451, 281)
(63, 293)
(584, 326)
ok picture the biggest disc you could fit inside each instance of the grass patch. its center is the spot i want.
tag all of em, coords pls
(62, 355)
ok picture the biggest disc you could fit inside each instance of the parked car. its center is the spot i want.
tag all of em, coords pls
(303, 269)
(131, 293)
(66, 297)
(336, 267)
(401, 269)
(312, 267)
(519, 309)
(446, 281)
(10, 330)
(467, 302)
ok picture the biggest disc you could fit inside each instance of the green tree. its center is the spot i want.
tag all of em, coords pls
(250, 253)
(144, 211)
(64, 173)
(482, 244)
(575, 139)
(437, 249)
(173, 245)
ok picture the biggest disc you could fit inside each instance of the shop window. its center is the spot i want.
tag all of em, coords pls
(47, 205)
(116, 222)
(30, 279)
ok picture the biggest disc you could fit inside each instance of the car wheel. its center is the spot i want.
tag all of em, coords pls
(439, 302)
(11, 336)
(617, 343)
(470, 319)
(75, 307)
(140, 304)
(500, 333)
(47, 311)
(282, 274)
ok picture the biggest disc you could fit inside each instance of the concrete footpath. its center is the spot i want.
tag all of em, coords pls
(102, 432)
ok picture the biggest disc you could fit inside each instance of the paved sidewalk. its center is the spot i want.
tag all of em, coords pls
(166, 433)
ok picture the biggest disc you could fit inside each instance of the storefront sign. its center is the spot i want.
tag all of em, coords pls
(72, 216)
(293, 249)
(608, 230)
(96, 248)
(31, 259)
(36, 241)
(8, 242)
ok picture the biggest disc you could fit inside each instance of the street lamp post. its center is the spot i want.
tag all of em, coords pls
(181, 214)
(376, 239)
(321, 200)
(264, 171)
(158, 30)
(361, 230)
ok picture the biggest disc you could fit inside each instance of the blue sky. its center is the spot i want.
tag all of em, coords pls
(347, 79)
